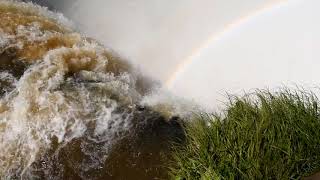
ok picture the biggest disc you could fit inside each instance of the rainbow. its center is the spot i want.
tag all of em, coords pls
(217, 36)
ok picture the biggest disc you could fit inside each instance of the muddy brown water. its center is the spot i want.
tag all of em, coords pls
(142, 152)
(133, 142)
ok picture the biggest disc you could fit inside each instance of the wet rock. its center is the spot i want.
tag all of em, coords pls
(140, 153)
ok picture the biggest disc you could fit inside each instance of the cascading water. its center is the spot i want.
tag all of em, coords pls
(69, 107)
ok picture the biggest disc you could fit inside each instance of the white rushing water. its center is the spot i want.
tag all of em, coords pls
(58, 86)
(62, 91)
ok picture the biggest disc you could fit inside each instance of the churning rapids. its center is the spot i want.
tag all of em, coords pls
(72, 109)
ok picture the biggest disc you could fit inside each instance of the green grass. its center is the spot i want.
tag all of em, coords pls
(259, 136)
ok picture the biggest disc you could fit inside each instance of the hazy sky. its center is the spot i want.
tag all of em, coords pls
(270, 47)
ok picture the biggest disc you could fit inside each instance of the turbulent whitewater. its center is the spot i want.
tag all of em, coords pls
(68, 103)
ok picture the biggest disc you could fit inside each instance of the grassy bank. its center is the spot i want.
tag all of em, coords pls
(259, 136)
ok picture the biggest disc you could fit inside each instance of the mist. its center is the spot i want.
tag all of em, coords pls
(155, 35)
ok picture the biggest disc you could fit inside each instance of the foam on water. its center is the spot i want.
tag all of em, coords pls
(57, 85)
(71, 108)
